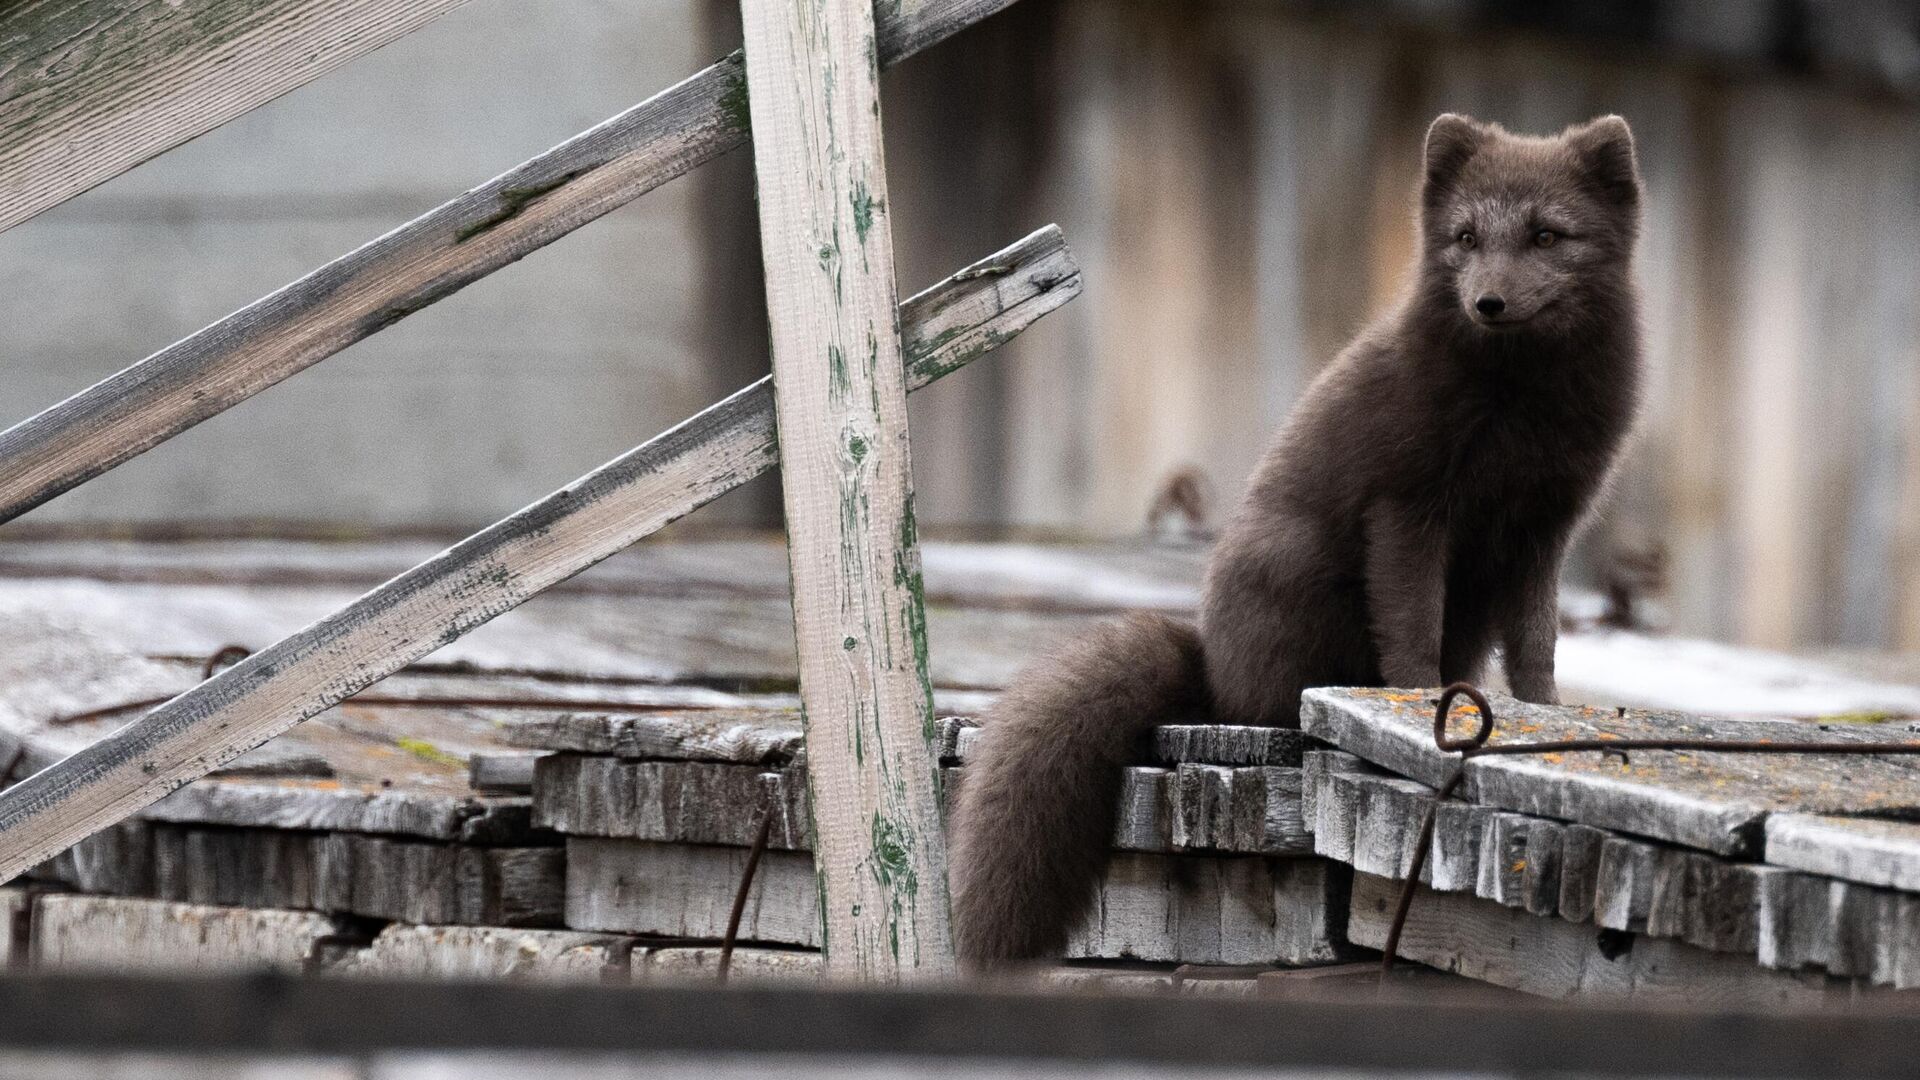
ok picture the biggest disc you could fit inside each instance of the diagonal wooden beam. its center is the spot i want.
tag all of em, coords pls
(91, 88)
(495, 570)
(424, 261)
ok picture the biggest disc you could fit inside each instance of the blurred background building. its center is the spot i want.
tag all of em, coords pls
(1237, 178)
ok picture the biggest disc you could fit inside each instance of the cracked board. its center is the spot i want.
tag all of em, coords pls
(1714, 802)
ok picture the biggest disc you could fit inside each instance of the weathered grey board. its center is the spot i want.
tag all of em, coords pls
(846, 477)
(1173, 744)
(408, 269)
(1234, 910)
(118, 861)
(679, 890)
(91, 88)
(1507, 947)
(401, 951)
(1715, 802)
(1223, 744)
(746, 736)
(489, 573)
(332, 806)
(1867, 850)
(701, 964)
(672, 801)
(441, 883)
(121, 934)
(1230, 910)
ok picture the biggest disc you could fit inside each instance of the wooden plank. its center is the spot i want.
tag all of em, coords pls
(1198, 910)
(701, 964)
(331, 806)
(450, 884)
(846, 472)
(92, 88)
(1580, 847)
(681, 890)
(1191, 909)
(747, 736)
(119, 934)
(1507, 947)
(670, 801)
(1623, 894)
(1714, 802)
(400, 951)
(1871, 851)
(408, 269)
(1224, 744)
(489, 573)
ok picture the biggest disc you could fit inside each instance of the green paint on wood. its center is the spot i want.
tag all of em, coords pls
(512, 201)
(851, 643)
(857, 449)
(864, 205)
(839, 384)
(735, 110)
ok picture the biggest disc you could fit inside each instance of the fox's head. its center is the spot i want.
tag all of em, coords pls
(1528, 235)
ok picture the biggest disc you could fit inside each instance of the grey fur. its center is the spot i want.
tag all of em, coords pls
(1412, 514)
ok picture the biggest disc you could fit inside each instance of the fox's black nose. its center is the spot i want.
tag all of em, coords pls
(1490, 305)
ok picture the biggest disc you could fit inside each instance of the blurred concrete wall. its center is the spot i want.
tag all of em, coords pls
(1236, 178)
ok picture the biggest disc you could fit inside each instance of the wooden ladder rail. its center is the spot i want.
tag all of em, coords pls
(846, 472)
(410, 268)
(493, 571)
(92, 88)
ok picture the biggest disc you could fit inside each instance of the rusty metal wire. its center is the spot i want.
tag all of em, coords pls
(758, 849)
(1475, 745)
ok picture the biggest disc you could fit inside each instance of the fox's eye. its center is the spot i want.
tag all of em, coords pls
(1545, 238)
(1466, 239)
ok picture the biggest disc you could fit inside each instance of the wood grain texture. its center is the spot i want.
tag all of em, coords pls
(120, 934)
(1867, 850)
(491, 572)
(90, 89)
(745, 736)
(826, 241)
(420, 263)
(1487, 941)
(401, 951)
(1713, 802)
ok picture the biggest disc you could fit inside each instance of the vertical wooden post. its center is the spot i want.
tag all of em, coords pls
(840, 395)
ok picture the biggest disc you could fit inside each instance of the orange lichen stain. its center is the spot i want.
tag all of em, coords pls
(1519, 866)
(1403, 697)
(1553, 759)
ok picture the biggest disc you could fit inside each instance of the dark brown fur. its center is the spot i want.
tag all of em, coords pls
(1413, 514)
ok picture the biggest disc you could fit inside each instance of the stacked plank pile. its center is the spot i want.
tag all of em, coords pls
(1212, 864)
(1744, 877)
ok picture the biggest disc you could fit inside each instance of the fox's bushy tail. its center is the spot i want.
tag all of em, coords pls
(1038, 796)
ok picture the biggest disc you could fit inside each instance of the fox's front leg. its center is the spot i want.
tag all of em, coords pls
(1406, 593)
(1531, 631)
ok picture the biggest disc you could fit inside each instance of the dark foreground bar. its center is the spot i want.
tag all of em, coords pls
(281, 1016)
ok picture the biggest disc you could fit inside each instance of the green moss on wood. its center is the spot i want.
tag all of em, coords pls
(512, 201)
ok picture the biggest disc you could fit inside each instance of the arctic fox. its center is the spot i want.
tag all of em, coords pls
(1412, 513)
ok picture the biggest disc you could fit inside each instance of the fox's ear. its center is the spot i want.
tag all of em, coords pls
(1605, 150)
(1452, 141)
